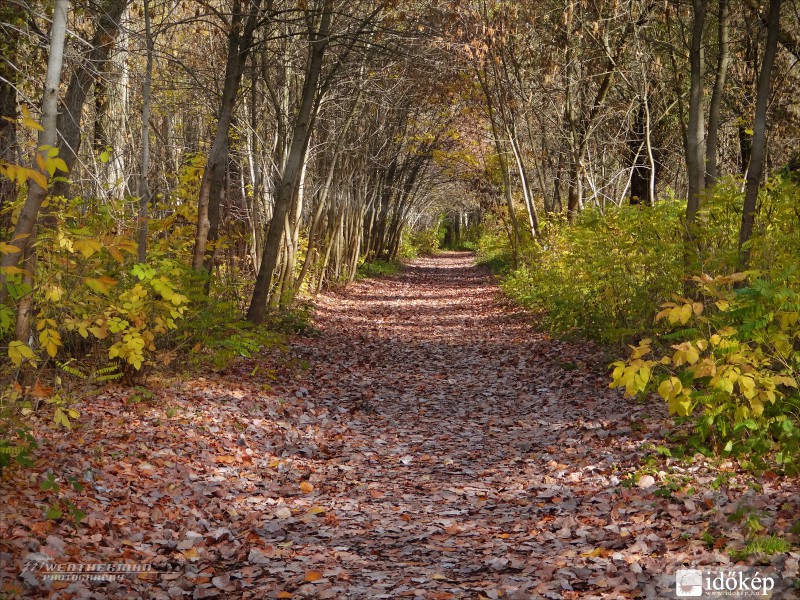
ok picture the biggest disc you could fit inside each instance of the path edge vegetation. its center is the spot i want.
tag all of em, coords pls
(624, 165)
(724, 356)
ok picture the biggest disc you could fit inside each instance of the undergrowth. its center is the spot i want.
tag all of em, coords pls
(377, 268)
(726, 355)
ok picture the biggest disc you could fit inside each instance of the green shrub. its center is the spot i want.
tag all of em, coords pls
(606, 274)
(603, 275)
(493, 248)
(217, 333)
(377, 268)
(734, 367)
(427, 241)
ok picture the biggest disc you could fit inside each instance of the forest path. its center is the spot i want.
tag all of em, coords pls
(427, 443)
(481, 457)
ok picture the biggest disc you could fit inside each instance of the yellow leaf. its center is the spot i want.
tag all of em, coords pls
(115, 254)
(313, 575)
(284, 595)
(28, 122)
(12, 270)
(96, 285)
(100, 284)
(757, 406)
(60, 418)
(681, 405)
(784, 380)
(8, 248)
(39, 178)
(669, 388)
(128, 246)
(60, 164)
(54, 293)
(100, 333)
(642, 378)
(17, 351)
(747, 387)
(685, 313)
(306, 487)
(50, 341)
(87, 247)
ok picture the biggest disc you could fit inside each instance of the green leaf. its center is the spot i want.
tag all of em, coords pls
(53, 513)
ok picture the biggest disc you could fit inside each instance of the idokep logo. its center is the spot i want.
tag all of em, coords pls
(689, 582)
(718, 581)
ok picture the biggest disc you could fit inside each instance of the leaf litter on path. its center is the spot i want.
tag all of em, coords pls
(437, 447)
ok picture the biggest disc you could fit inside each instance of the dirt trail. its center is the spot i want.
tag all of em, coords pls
(484, 458)
(436, 448)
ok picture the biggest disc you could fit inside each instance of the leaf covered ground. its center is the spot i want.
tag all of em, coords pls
(425, 443)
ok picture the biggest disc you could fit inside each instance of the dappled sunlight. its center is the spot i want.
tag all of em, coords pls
(427, 443)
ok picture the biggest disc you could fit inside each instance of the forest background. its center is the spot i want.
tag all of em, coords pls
(178, 177)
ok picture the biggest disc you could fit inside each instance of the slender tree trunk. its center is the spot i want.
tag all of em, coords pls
(23, 237)
(323, 197)
(22, 326)
(756, 168)
(640, 176)
(144, 190)
(530, 205)
(715, 105)
(209, 198)
(84, 75)
(291, 172)
(695, 153)
(651, 187)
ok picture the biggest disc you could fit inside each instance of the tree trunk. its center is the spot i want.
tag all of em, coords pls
(23, 237)
(9, 148)
(640, 172)
(695, 154)
(530, 204)
(144, 190)
(715, 104)
(84, 75)
(756, 167)
(291, 173)
(209, 197)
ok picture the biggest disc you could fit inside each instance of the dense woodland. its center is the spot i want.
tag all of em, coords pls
(213, 160)
(186, 186)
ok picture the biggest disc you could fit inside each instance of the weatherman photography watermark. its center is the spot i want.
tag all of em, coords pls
(50, 571)
(725, 582)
